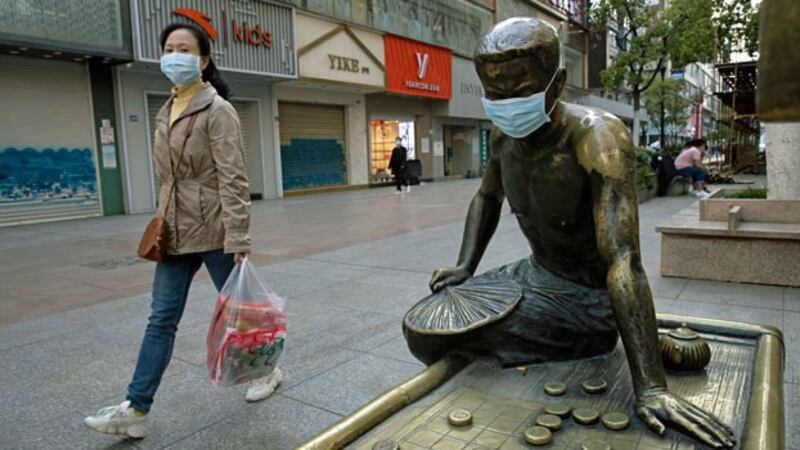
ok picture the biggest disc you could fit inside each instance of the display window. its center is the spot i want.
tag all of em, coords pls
(383, 136)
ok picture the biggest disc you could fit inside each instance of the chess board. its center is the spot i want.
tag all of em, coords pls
(504, 402)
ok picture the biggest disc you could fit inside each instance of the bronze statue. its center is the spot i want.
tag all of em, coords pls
(568, 173)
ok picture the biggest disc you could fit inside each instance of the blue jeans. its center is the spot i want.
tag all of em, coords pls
(170, 289)
(698, 175)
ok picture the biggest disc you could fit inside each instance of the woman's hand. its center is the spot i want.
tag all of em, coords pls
(240, 257)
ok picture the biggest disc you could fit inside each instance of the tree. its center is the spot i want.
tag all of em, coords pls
(672, 94)
(736, 27)
(649, 36)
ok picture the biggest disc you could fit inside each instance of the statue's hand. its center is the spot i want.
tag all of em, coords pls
(448, 277)
(660, 406)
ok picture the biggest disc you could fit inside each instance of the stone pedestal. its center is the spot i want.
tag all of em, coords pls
(783, 160)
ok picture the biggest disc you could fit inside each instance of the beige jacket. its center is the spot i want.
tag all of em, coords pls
(210, 207)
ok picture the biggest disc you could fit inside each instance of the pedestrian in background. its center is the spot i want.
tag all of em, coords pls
(205, 193)
(690, 164)
(397, 164)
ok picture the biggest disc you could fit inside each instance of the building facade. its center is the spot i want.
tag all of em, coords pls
(323, 90)
(253, 45)
(59, 153)
(321, 125)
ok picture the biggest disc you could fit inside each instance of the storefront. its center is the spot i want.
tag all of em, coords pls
(321, 119)
(418, 82)
(58, 158)
(253, 46)
(461, 125)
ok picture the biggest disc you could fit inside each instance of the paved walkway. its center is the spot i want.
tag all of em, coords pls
(346, 300)
(57, 267)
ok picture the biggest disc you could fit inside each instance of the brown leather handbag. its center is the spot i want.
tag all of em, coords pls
(153, 245)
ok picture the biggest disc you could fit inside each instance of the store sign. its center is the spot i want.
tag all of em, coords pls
(414, 68)
(241, 32)
(248, 36)
(334, 52)
(467, 92)
(346, 64)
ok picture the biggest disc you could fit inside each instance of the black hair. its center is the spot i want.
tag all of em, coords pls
(210, 73)
(696, 143)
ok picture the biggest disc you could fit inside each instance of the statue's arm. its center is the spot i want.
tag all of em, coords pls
(607, 152)
(608, 156)
(482, 218)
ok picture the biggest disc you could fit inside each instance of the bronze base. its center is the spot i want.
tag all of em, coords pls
(745, 375)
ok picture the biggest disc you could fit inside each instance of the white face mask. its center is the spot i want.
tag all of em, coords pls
(520, 116)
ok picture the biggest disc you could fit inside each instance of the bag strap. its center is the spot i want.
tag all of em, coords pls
(186, 136)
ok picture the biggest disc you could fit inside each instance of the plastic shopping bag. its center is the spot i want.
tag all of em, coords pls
(248, 330)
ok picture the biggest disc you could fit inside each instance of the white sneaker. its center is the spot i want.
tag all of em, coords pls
(408, 189)
(119, 419)
(264, 387)
(398, 192)
(700, 194)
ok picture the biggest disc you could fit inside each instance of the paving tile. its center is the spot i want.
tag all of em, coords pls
(312, 268)
(396, 349)
(353, 383)
(184, 405)
(276, 423)
(791, 299)
(756, 296)
(666, 287)
(43, 328)
(791, 395)
(291, 285)
(35, 391)
(725, 312)
(397, 279)
(97, 380)
(63, 432)
(386, 299)
(791, 339)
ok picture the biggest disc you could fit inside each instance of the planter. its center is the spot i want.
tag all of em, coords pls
(646, 194)
(717, 207)
(731, 239)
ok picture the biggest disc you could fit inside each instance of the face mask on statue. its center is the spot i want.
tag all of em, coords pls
(519, 116)
(181, 68)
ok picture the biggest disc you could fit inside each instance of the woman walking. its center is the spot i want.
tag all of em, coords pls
(198, 148)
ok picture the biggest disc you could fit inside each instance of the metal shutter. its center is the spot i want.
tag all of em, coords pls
(154, 103)
(48, 157)
(242, 109)
(312, 145)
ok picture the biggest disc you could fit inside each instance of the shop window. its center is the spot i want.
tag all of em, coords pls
(383, 134)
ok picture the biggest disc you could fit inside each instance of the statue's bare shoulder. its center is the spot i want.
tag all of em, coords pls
(601, 141)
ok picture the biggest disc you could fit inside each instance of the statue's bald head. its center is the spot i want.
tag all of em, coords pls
(521, 36)
(516, 50)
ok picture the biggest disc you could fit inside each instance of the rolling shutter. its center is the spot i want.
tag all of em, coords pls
(48, 164)
(313, 150)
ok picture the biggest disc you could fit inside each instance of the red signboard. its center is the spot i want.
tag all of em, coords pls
(414, 68)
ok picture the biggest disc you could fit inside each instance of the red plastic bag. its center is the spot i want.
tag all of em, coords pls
(248, 330)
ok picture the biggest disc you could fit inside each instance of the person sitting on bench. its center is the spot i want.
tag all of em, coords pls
(690, 164)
